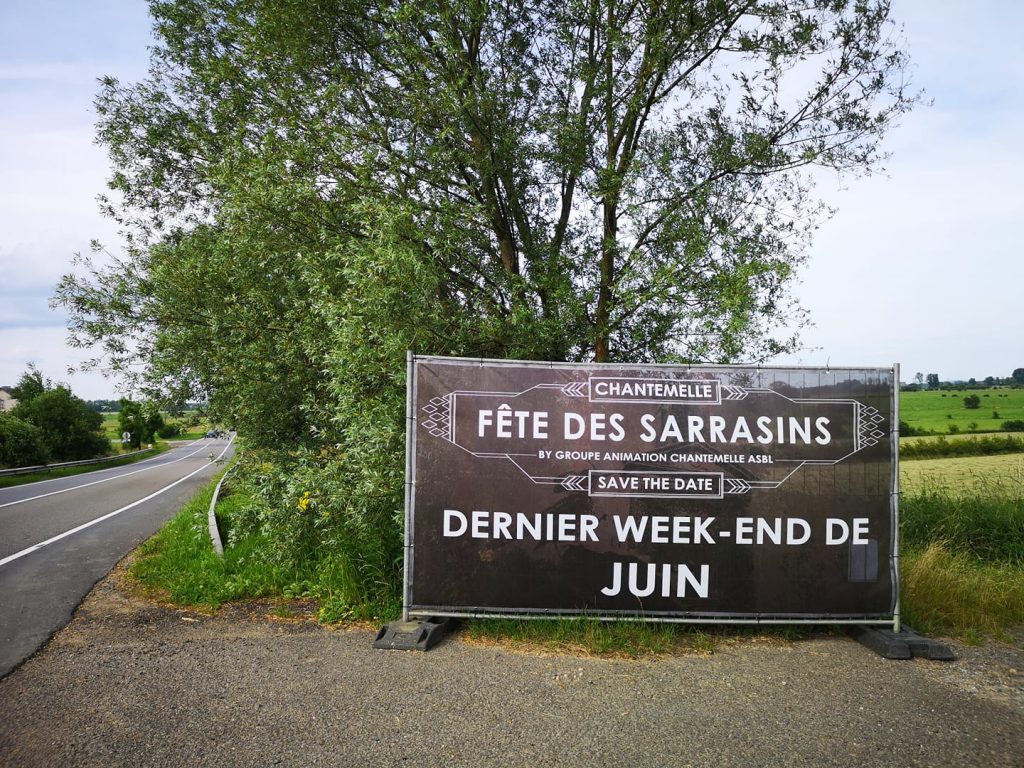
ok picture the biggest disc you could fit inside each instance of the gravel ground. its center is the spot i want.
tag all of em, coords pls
(129, 682)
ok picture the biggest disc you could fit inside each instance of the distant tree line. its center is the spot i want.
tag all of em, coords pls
(49, 424)
(979, 446)
(931, 381)
(114, 406)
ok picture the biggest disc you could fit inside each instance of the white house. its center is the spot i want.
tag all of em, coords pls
(7, 401)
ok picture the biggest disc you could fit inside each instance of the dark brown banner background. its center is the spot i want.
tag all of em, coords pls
(839, 469)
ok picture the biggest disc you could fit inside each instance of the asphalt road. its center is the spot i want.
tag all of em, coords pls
(130, 682)
(59, 537)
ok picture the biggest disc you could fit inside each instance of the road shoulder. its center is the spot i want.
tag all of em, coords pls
(132, 680)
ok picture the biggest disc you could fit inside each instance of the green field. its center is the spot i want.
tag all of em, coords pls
(962, 545)
(112, 428)
(935, 411)
(986, 474)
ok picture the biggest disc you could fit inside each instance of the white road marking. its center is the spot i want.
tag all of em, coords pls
(108, 479)
(109, 515)
(139, 463)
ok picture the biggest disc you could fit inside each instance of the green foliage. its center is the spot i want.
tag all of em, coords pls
(21, 443)
(142, 421)
(180, 561)
(168, 431)
(908, 431)
(943, 448)
(30, 385)
(926, 412)
(70, 429)
(987, 526)
(972, 401)
(314, 189)
(1013, 425)
(525, 161)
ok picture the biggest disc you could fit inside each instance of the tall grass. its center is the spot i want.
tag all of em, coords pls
(987, 526)
(946, 591)
(962, 567)
(179, 562)
(971, 476)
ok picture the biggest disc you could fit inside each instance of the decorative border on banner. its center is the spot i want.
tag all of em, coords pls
(868, 433)
(439, 420)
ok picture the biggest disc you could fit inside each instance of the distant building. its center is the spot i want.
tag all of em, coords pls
(7, 401)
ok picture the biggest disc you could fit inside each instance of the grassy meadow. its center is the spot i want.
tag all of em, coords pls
(969, 475)
(112, 428)
(937, 411)
(962, 540)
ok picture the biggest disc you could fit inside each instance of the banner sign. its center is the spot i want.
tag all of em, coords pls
(679, 493)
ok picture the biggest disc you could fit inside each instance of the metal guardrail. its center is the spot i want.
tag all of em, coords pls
(62, 465)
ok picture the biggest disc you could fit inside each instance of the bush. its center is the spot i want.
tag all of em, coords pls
(942, 448)
(972, 401)
(21, 443)
(168, 430)
(70, 429)
(1014, 425)
(303, 503)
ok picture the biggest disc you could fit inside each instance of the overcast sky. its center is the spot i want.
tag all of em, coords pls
(920, 266)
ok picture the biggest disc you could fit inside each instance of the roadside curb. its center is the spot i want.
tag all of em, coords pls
(218, 544)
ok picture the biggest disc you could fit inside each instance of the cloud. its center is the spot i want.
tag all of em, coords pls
(45, 347)
(923, 265)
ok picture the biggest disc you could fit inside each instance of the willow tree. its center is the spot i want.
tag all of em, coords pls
(311, 187)
(567, 179)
